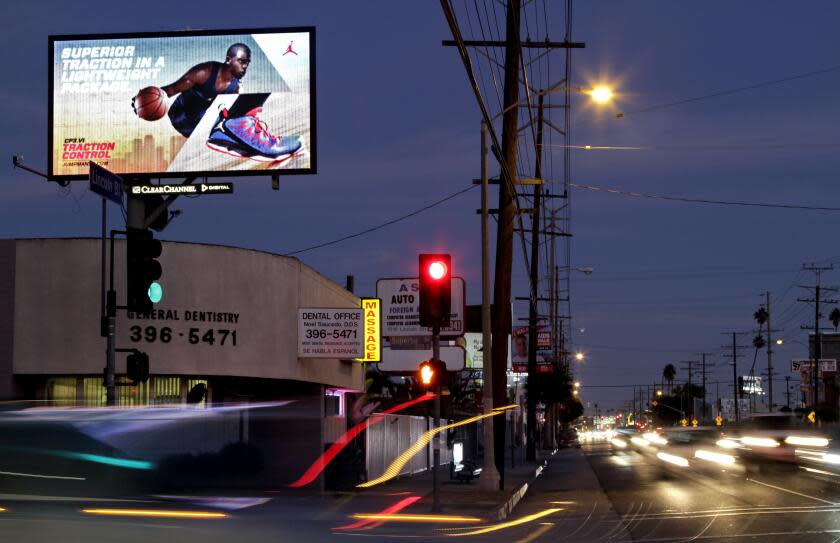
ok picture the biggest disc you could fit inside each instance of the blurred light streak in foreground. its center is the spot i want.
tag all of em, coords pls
(329, 455)
(398, 517)
(39, 476)
(503, 525)
(367, 524)
(400, 462)
(154, 513)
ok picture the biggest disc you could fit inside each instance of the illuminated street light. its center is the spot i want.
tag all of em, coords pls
(577, 384)
(579, 356)
(601, 94)
(780, 341)
(659, 393)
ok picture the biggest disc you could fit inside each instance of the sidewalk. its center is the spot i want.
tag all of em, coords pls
(563, 479)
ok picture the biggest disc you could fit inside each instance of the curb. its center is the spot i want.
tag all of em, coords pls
(516, 496)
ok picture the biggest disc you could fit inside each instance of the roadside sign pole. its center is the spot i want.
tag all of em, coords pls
(110, 186)
(436, 447)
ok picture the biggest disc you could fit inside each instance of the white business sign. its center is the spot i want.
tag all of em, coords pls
(409, 360)
(826, 364)
(474, 343)
(330, 333)
(401, 308)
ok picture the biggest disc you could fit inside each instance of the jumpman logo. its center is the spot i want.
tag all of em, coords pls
(289, 49)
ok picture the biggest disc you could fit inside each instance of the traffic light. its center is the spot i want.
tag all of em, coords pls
(137, 367)
(435, 289)
(142, 250)
(431, 373)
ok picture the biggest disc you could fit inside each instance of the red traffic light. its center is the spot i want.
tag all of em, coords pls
(437, 269)
(435, 289)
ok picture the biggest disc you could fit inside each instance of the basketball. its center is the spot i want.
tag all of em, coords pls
(150, 103)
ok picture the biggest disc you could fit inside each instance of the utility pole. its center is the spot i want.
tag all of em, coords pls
(787, 390)
(734, 356)
(490, 481)
(703, 368)
(531, 449)
(504, 233)
(690, 364)
(817, 350)
(769, 356)
(506, 154)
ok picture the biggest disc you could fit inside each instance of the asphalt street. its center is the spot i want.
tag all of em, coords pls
(583, 495)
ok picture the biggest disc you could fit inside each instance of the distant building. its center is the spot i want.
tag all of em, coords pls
(827, 387)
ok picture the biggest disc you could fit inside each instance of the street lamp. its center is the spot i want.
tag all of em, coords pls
(577, 384)
(579, 356)
(659, 393)
(600, 94)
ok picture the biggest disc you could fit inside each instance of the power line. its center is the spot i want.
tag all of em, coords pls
(383, 225)
(729, 91)
(699, 200)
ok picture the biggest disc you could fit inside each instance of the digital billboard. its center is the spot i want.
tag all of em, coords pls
(180, 104)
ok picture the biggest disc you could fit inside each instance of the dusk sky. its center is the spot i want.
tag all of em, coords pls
(398, 129)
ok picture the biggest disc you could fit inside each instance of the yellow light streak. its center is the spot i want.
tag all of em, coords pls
(503, 525)
(673, 459)
(727, 444)
(403, 459)
(807, 441)
(413, 518)
(759, 441)
(536, 534)
(1, 510)
(505, 407)
(641, 442)
(154, 513)
(718, 458)
(653, 437)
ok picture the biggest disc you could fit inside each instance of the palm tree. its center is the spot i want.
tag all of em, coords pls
(761, 316)
(834, 317)
(668, 373)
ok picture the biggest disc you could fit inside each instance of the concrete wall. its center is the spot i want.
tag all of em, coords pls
(248, 296)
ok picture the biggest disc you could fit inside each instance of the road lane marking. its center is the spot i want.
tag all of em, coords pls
(792, 492)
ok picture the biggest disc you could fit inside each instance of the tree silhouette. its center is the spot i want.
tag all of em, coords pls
(668, 373)
(834, 317)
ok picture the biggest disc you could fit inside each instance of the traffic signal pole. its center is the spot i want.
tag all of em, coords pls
(436, 407)
(135, 219)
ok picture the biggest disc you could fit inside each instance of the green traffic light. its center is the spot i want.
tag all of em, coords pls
(155, 292)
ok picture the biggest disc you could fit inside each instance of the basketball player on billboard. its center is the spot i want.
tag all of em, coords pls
(238, 131)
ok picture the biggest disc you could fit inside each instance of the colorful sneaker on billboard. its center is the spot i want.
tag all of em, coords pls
(249, 137)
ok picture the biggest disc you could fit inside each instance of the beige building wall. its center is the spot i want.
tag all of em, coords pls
(225, 312)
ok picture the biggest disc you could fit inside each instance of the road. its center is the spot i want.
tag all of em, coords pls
(594, 496)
